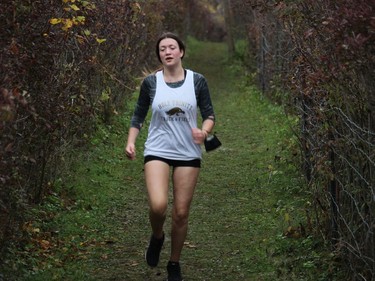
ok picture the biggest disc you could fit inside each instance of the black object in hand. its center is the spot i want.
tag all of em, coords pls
(211, 143)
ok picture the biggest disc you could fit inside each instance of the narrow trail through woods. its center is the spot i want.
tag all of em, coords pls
(238, 214)
(234, 220)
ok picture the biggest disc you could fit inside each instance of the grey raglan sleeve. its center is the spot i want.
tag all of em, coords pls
(203, 97)
(142, 106)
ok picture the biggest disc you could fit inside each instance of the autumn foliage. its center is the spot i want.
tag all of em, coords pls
(65, 66)
(318, 59)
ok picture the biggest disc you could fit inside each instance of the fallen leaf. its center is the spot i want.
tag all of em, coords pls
(100, 40)
(54, 21)
(189, 245)
(74, 7)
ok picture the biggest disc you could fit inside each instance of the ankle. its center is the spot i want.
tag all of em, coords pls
(158, 236)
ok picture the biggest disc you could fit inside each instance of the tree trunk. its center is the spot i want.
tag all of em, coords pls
(229, 27)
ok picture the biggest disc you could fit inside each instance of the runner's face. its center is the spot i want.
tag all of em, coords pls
(169, 52)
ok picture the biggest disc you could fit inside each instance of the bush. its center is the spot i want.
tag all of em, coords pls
(321, 55)
(65, 67)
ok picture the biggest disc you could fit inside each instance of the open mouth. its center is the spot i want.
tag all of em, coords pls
(168, 59)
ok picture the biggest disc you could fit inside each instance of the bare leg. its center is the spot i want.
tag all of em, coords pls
(157, 182)
(184, 182)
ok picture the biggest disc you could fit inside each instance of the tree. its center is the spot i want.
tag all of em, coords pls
(229, 27)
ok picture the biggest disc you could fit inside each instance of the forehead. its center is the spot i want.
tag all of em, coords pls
(168, 42)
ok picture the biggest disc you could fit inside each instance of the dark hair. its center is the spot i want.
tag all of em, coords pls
(171, 35)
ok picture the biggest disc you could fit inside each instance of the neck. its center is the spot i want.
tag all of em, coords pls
(174, 74)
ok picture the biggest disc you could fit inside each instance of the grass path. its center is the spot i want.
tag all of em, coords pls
(247, 196)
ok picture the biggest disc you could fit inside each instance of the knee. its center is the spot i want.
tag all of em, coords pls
(158, 209)
(180, 217)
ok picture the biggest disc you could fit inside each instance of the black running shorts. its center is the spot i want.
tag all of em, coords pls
(175, 163)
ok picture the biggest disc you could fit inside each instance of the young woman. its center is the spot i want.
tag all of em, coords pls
(174, 142)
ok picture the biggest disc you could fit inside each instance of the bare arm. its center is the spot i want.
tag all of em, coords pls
(130, 150)
(199, 135)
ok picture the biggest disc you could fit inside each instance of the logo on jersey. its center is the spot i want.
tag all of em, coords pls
(175, 111)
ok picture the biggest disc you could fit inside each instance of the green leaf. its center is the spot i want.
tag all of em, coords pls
(74, 7)
(105, 96)
(100, 40)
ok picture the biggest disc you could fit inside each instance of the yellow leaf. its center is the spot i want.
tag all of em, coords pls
(100, 40)
(54, 21)
(68, 23)
(74, 7)
(287, 217)
(87, 32)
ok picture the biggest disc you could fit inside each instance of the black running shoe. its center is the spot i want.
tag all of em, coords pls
(174, 271)
(153, 251)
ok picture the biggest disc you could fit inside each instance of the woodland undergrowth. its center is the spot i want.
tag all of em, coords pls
(250, 215)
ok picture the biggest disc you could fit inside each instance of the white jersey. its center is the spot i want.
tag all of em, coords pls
(174, 114)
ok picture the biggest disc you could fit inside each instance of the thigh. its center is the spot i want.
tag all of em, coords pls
(184, 182)
(157, 182)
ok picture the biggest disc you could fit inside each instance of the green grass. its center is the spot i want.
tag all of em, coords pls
(249, 193)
